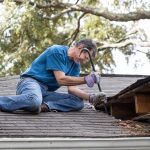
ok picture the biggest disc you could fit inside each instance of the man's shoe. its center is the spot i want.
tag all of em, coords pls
(44, 108)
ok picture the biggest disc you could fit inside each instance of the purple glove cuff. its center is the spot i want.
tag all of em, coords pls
(90, 80)
(91, 98)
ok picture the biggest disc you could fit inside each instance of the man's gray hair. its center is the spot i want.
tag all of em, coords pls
(89, 44)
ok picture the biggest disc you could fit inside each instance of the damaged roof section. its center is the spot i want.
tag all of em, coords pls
(133, 102)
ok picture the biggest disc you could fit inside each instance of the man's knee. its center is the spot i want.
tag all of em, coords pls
(34, 101)
(79, 104)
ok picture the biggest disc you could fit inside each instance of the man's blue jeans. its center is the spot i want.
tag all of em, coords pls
(30, 94)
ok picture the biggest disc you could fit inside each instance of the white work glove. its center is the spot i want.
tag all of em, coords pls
(92, 78)
(97, 99)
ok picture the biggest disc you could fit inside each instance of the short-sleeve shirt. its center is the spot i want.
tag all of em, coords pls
(54, 58)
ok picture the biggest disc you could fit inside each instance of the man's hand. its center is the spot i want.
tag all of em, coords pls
(92, 78)
(97, 99)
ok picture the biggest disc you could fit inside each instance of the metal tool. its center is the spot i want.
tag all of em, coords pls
(93, 68)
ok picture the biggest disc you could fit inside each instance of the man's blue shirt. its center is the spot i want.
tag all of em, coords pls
(53, 58)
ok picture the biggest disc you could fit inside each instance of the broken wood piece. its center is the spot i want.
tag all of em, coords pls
(142, 103)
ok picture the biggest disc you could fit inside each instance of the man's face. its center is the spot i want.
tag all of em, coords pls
(83, 56)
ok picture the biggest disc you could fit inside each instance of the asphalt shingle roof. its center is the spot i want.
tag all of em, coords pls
(85, 123)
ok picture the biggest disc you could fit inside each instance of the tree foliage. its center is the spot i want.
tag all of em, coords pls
(29, 27)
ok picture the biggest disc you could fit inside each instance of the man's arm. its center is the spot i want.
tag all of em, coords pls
(74, 90)
(70, 81)
(62, 79)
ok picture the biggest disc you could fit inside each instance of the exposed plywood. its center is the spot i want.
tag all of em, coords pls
(142, 103)
(123, 110)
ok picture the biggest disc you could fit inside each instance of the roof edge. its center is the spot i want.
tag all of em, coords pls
(137, 143)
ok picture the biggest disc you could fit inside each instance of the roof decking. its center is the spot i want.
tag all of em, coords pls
(85, 123)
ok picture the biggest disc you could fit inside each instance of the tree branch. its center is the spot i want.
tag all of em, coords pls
(101, 11)
(77, 2)
(76, 31)
(127, 36)
(123, 44)
(58, 15)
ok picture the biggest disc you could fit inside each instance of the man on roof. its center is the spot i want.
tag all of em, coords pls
(57, 66)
